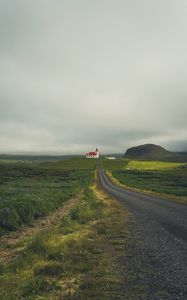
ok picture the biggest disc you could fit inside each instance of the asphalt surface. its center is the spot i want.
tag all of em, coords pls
(155, 263)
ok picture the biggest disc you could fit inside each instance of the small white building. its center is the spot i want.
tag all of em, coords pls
(94, 154)
(110, 157)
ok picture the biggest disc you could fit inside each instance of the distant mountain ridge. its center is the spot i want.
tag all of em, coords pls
(154, 152)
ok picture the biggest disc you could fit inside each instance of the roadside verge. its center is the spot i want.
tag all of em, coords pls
(170, 197)
(75, 257)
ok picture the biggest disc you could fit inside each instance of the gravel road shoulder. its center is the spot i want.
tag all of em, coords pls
(154, 263)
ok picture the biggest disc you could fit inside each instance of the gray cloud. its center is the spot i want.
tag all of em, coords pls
(80, 74)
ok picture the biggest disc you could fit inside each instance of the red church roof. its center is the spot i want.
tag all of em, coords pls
(92, 153)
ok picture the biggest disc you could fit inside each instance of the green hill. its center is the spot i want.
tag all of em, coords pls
(154, 152)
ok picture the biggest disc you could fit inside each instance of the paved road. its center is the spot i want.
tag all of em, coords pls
(158, 245)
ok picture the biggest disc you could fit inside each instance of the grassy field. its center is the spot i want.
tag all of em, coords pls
(71, 235)
(31, 190)
(74, 258)
(165, 178)
(152, 165)
(127, 164)
(73, 261)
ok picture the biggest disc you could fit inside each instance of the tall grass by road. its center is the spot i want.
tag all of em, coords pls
(77, 259)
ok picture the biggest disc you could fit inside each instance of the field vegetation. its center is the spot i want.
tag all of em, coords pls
(75, 257)
(166, 178)
(152, 165)
(74, 234)
(32, 190)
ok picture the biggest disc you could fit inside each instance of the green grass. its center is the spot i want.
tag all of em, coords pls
(154, 176)
(123, 164)
(29, 191)
(72, 261)
(166, 182)
(152, 165)
(78, 258)
(71, 164)
(117, 164)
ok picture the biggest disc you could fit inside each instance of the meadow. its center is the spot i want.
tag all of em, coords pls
(62, 237)
(31, 190)
(166, 178)
(72, 257)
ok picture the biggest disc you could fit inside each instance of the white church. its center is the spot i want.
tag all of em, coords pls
(94, 154)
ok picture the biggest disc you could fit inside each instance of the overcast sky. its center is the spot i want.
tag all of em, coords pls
(76, 74)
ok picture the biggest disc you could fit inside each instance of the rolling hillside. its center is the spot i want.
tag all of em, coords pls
(154, 152)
